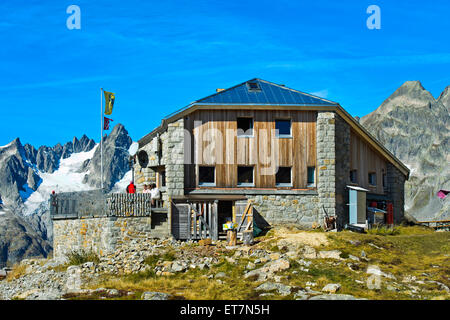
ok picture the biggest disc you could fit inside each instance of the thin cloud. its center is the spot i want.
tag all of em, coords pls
(332, 63)
(57, 83)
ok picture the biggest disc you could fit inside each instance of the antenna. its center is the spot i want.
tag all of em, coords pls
(133, 148)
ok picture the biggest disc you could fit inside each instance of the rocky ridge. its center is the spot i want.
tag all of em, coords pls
(22, 168)
(414, 126)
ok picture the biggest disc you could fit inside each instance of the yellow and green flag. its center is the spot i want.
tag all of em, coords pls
(109, 102)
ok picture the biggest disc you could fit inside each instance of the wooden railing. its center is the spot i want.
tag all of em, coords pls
(438, 224)
(99, 204)
(203, 220)
(126, 205)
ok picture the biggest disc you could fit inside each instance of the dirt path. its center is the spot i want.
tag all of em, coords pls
(313, 239)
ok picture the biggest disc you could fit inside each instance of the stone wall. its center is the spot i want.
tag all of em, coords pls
(173, 157)
(103, 235)
(342, 143)
(302, 210)
(326, 162)
(396, 191)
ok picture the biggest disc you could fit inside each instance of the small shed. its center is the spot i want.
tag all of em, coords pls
(357, 205)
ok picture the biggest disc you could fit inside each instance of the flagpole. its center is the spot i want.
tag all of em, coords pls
(101, 137)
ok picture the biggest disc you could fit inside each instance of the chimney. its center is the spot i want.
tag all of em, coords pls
(219, 89)
(357, 119)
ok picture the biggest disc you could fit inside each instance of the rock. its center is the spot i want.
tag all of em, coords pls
(155, 296)
(220, 275)
(375, 246)
(112, 293)
(282, 289)
(331, 287)
(304, 262)
(250, 266)
(259, 275)
(202, 266)
(334, 297)
(441, 286)
(391, 288)
(276, 266)
(353, 266)
(178, 267)
(376, 271)
(363, 254)
(309, 252)
(205, 242)
(332, 254)
(300, 295)
(88, 265)
(352, 257)
(275, 256)
(230, 260)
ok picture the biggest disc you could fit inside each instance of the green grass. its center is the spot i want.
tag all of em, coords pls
(412, 251)
(77, 257)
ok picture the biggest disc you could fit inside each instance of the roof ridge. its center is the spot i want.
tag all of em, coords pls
(216, 93)
(295, 90)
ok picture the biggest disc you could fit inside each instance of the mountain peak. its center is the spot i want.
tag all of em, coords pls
(444, 98)
(413, 84)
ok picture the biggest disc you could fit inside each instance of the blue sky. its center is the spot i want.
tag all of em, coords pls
(158, 56)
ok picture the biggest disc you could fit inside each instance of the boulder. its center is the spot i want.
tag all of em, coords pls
(155, 296)
(331, 287)
(332, 254)
(276, 265)
(334, 297)
(309, 252)
(282, 289)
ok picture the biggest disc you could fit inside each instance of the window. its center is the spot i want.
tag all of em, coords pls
(253, 86)
(245, 176)
(283, 127)
(245, 127)
(162, 178)
(372, 178)
(283, 178)
(206, 176)
(353, 176)
(311, 180)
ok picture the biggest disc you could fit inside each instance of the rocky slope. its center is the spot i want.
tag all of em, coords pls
(285, 263)
(28, 175)
(414, 126)
(18, 240)
(115, 159)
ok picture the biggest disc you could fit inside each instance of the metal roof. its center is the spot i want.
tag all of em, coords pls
(268, 93)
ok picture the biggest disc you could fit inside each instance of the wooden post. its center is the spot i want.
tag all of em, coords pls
(214, 224)
(194, 221)
(189, 222)
(232, 237)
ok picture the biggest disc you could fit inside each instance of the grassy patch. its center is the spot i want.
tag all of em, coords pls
(77, 257)
(410, 251)
(17, 271)
(384, 231)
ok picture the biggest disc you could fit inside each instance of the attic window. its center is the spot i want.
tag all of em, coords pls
(253, 86)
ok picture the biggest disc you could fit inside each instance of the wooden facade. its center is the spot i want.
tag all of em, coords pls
(214, 142)
(364, 159)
